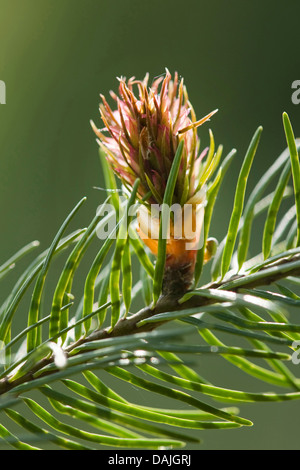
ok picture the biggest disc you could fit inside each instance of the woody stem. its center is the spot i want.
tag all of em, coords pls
(166, 303)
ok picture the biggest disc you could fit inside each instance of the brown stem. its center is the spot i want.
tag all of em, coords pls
(129, 326)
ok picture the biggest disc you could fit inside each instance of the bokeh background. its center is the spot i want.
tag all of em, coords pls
(56, 56)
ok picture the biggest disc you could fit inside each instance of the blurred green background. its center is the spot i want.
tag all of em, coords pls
(56, 56)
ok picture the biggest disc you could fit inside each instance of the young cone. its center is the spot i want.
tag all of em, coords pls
(140, 139)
